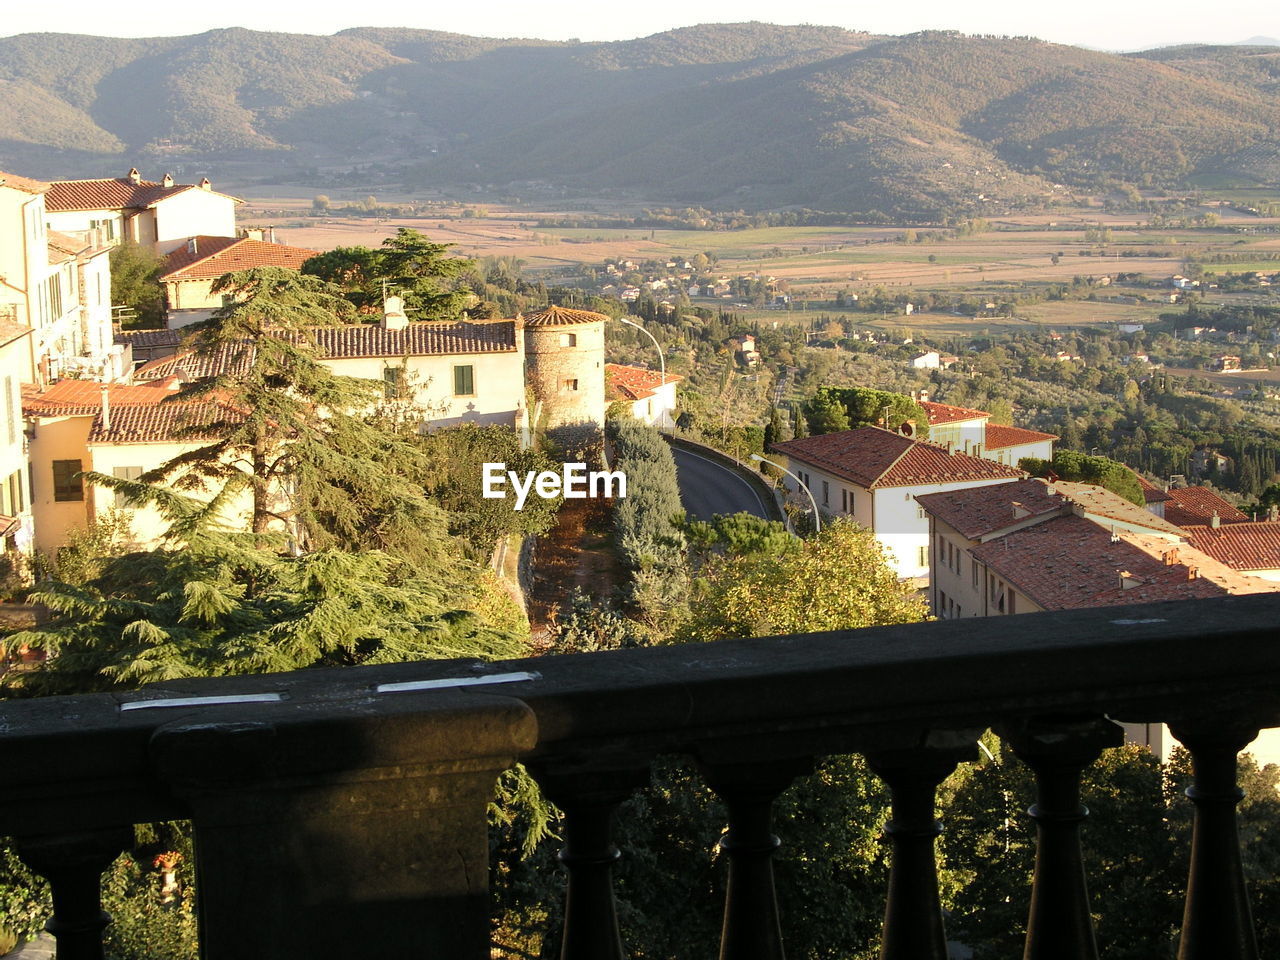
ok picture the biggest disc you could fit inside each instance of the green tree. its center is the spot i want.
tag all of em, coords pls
(825, 414)
(408, 265)
(838, 580)
(1080, 468)
(135, 283)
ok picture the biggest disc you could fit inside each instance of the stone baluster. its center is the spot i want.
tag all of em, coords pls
(1216, 920)
(752, 929)
(73, 864)
(1060, 925)
(913, 927)
(589, 801)
(360, 833)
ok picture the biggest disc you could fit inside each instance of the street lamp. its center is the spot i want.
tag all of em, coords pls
(817, 521)
(662, 363)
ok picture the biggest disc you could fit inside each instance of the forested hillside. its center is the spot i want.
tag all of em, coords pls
(750, 114)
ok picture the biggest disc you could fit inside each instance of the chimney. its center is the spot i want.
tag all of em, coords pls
(1193, 573)
(106, 409)
(1215, 521)
(1273, 513)
(193, 246)
(167, 181)
(1127, 580)
(393, 317)
(1019, 511)
(271, 234)
(135, 176)
(205, 184)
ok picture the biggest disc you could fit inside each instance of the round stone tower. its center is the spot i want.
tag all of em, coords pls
(564, 368)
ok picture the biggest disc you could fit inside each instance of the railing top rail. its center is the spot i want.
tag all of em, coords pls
(1151, 662)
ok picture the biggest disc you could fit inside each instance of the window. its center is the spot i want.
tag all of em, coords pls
(973, 565)
(67, 484)
(571, 385)
(464, 381)
(393, 383)
(12, 501)
(55, 296)
(923, 558)
(125, 473)
(826, 493)
(568, 339)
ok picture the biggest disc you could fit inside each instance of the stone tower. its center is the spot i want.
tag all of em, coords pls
(564, 368)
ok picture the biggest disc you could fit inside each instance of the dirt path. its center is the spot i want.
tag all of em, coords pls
(575, 555)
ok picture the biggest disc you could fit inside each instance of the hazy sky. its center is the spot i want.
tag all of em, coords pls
(1114, 25)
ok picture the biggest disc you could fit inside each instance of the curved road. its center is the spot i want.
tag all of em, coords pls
(707, 488)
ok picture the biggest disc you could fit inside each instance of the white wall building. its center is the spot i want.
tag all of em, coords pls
(874, 476)
(650, 399)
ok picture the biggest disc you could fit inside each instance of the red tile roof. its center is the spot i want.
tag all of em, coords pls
(163, 423)
(1242, 546)
(1111, 506)
(872, 457)
(977, 512)
(999, 437)
(1071, 562)
(25, 184)
(1150, 492)
(150, 338)
(357, 340)
(634, 383)
(1196, 505)
(71, 398)
(946, 413)
(117, 193)
(215, 256)
(554, 316)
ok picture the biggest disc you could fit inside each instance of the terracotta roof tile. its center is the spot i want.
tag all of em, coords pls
(634, 383)
(25, 184)
(1196, 505)
(70, 398)
(1071, 562)
(1248, 545)
(353, 341)
(161, 423)
(977, 512)
(872, 457)
(999, 437)
(214, 256)
(1103, 503)
(946, 413)
(554, 316)
(118, 193)
(150, 338)
(1150, 492)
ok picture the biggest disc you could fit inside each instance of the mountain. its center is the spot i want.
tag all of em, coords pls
(745, 115)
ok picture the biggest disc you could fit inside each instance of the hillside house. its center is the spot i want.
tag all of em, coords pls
(649, 397)
(874, 475)
(189, 271)
(158, 214)
(929, 360)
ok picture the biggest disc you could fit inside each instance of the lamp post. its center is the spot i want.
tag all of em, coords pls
(817, 520)
(662, 362)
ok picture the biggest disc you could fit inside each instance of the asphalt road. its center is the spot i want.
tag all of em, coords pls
(707, 488)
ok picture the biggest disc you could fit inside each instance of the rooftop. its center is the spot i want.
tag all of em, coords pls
(872, 457)
(70, 398)
(207, 258)
(1150, 492)
(999, 437)
(1248, 545)
(116, 193)
(554, 316)
(1196, 505)
(946, 413)
(354, 341)
(25, 184)
(634, 383)
(1071, 562)
(1103, 503)
(977, 512)
(160, 423)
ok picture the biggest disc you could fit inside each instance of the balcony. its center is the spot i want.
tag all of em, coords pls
(344, 811)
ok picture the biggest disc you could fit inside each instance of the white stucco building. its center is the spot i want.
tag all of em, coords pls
(874, 476)
(650, 398)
